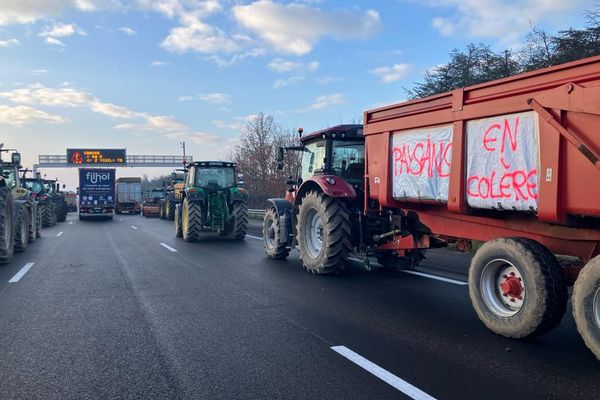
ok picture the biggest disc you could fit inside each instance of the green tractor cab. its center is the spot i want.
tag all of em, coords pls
(212, 201)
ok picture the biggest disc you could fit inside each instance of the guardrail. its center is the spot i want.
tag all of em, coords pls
(256, 213)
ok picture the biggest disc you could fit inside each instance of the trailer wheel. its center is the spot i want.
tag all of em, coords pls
(22, 230)
(586, 305)
(191, 223)
(6, 225)
(323, 233)
(517, 287)
(178, 230)
(275, 246)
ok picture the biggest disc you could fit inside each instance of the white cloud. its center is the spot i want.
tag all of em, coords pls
(292, 80)
(237, 124)
(295, 28)
(66, 96)
(186, 98)
(159, 63)
(9, 42)
(326, 101)
(127, 30)
(61, 30)
(38, 72)
(392, 74)
(23, 115)
(54, 42)
(498, 19)
(280, 65)
(29, 11)
(215, 98)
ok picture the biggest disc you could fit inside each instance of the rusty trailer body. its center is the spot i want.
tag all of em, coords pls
(512, 157)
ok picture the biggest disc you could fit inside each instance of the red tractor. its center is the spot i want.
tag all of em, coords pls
(321, 211)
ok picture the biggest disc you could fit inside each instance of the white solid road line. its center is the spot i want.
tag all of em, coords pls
(423, 274)
(59, 234)
(134, 227)
(166, 246)
(22, 272)
(254, 237)
(437, 278)
(386, 376)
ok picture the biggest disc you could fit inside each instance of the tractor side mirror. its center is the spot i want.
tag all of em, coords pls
(280, 155)
(240, 180)
(16, 158)
(64, 186)
(58, 187)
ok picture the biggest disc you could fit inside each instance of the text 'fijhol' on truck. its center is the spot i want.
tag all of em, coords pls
(19, 212)
(211, 202)
(96, 193)
(512, 163)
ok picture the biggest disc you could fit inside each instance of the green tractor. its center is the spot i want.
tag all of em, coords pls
(173, 189)
(20, 216)
(212, 201)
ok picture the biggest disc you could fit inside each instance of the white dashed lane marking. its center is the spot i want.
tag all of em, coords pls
(21, 272)
(411, 391)
(166, 246)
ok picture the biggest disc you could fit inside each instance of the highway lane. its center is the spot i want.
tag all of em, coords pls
(108, 312)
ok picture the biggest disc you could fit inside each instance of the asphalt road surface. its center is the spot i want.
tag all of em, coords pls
(124, 310)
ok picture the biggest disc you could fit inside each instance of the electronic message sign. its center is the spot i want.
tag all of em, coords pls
(96, 156)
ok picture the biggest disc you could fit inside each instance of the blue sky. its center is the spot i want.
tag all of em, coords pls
(147, 74)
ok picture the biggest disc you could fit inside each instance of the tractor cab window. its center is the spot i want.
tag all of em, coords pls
(49, 187)
(34, 186)
(219, 177)
(157, 194)
(348, 159)
(313, 159)
(9, 176)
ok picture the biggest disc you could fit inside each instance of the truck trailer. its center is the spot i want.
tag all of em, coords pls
(96, 193)
(509, 167)
(129, 196)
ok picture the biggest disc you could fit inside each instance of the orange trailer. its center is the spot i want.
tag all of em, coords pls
(514, 163)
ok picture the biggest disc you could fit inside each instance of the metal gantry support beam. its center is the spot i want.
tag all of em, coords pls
(60, 161)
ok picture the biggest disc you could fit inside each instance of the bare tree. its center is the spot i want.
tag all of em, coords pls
(256, 156)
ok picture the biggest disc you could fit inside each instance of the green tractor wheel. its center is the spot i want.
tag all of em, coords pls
(191, 222)
(236, 226)
(6, 225)
(169, 209)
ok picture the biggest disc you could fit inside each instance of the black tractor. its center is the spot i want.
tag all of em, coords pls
(46, 202)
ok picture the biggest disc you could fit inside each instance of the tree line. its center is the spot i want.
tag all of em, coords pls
(478, 63)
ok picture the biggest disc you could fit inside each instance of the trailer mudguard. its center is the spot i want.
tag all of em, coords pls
(238, 194)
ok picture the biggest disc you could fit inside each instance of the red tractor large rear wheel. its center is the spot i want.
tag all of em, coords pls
(323, 233)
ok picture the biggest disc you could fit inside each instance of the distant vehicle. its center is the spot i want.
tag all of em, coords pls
(52, 187)
(129, 196)
(173, 191)
(152, 202)
(46, 202)
(96, 193)
(212, 202)
(71, 199)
